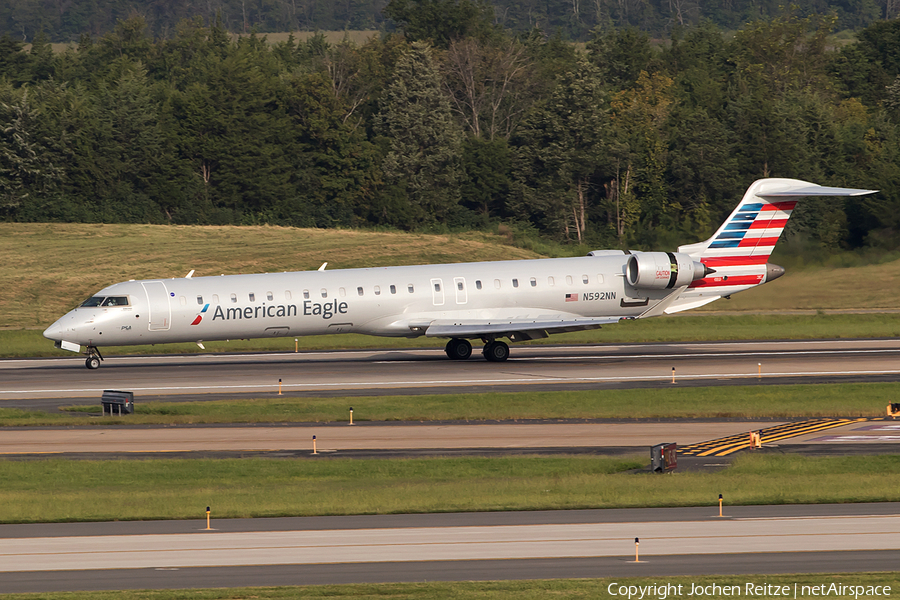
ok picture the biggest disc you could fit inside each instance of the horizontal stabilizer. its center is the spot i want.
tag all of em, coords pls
(814, 190)
(475, 328)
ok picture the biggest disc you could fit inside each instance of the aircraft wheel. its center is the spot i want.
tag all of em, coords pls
(496, 351)
(92, 362)
(458, 349)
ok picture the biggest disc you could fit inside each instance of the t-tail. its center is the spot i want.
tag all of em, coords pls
(738, 254)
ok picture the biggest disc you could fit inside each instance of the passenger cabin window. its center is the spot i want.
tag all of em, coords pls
(215, 298)
(324, 293)
(568, 280)
(410, 288)
(515, 283)
(252, 297)
(599, 278)
(585, 279)
(533, 282)
(437, 287)
(183, 300)
(199, 299)
(270, 296)
(306, 294)
(550, 281)
(477, 284)
(342, 292)
(359, 290)
(377, 290)
(287, 295)
(393, 289)
(234, 297)
(459, 285)
(497, 283)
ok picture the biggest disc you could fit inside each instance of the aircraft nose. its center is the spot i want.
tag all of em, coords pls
(54, 332)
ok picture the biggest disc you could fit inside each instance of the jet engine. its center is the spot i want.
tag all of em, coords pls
(663, 270)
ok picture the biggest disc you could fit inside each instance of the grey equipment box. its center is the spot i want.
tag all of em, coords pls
(116, 402)
(663, 457)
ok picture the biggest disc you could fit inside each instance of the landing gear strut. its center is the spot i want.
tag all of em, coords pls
(496, 351)
(458, 349)
(93, 360)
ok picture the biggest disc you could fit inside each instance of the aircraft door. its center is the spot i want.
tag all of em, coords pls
(461, 294)
(158, 302)
(437, 292)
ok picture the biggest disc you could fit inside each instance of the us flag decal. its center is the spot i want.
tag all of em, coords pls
(571, 297)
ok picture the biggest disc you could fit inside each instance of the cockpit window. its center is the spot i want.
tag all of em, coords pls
(94, 301)
(116, 301)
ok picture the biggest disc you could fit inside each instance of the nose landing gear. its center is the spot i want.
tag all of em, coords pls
(93, 360)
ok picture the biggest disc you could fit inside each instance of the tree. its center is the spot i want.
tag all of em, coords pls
(562, 150)
(621, 55)
(489, 85)
(425, 142)
(441, 21)
(28, 176)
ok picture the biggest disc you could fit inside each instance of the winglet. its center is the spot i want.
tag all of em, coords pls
(322, 268)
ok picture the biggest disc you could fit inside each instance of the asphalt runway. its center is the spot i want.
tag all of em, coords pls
(26, 382)
(94, 556)
(479, 546)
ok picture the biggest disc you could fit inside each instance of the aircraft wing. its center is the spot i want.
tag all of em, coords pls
(522, 329)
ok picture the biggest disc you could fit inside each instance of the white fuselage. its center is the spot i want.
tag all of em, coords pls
(389, 301)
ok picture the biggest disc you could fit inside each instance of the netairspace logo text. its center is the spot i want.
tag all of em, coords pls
(661, 591)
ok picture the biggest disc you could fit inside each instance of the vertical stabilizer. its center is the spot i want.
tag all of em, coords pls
(739, 251)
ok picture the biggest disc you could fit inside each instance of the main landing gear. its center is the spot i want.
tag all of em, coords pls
(458, 349)
(494, 350)
(93, 360)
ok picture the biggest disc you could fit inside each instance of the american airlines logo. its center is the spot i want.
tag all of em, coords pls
(200, 315)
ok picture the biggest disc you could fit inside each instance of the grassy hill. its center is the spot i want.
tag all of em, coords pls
(50, 268)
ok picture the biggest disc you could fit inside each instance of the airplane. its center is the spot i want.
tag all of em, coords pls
(518, 300)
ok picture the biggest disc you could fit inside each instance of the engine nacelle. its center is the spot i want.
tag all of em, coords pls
(663, 270)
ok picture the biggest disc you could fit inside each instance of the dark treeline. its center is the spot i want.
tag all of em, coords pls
(455, 123)
(66, 21)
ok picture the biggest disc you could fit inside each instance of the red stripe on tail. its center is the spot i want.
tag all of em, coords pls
(733, 261)
(723, 281)
(756, 242)
(779, 206)
(768, 224)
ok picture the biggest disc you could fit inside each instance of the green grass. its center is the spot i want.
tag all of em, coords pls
(575, 589)
(62, 490)
(696, 327)
(831, 400)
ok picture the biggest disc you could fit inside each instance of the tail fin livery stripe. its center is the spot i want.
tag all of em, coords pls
(757, 242)
(733, 261)
(766, 224)
(733, 280)
(738, 226)
(785, 206)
